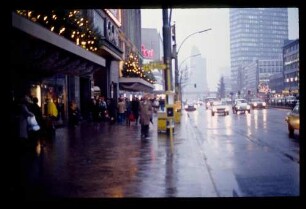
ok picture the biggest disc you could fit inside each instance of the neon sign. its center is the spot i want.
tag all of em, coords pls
(147, 53)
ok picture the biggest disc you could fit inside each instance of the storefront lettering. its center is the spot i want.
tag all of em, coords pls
(147, 53)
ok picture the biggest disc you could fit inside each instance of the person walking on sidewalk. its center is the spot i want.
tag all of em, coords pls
(145, 109)
(135, 108)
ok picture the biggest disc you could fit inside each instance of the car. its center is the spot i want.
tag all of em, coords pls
(190, 107)
(293, 119)
(209, 101)
(241, 105)
(228, 101)
(219, 107)
(257, 103)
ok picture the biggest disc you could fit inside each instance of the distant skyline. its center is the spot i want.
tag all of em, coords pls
(213, 44)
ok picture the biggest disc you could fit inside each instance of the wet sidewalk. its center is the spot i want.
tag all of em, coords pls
(102, 160)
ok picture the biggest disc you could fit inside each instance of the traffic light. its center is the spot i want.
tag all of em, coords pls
(170, 111)
(173, 32)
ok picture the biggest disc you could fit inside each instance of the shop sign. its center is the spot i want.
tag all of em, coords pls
(147, 53)
(154, 65)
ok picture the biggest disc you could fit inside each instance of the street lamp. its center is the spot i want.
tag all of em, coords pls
(176, 52)
(202, 31)
(195, 55)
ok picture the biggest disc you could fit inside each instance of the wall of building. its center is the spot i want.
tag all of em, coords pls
(256, 33)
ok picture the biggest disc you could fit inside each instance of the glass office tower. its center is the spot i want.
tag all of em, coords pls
(256, 33)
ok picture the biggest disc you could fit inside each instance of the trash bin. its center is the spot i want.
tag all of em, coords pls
(177, 116)
(161, 121)
(177, 111)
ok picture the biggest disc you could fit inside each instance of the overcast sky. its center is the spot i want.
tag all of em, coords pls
(214, 44)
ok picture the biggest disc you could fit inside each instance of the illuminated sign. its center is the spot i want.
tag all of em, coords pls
(112, 32)
(147, 53)
(154, 65)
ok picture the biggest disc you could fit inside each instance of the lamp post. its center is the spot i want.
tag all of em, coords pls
(176, 74)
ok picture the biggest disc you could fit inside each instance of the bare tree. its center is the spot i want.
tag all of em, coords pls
(221, 88)
(183, 80)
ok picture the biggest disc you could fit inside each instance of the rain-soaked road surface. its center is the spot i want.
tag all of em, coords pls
(220, 156)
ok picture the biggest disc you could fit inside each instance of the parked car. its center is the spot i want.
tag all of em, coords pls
(241, 105)
(293, 119)
(190, 107)
(291, 100)
(219, 107)
(257, 103)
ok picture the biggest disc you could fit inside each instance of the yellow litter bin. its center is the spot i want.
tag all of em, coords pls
(161, 121)
(177, 111)
(177, 116)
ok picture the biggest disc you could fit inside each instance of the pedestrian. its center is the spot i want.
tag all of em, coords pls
(74, 114)
(127, 111)
(24, 113)
(36, 110)
(135, 109)
(112, 107)
(121, 110)
(145, 110)
(162, 104)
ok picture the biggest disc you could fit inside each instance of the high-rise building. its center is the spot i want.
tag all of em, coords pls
(256, 33)
(197, 78)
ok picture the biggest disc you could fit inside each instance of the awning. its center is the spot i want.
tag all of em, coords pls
(135, 84)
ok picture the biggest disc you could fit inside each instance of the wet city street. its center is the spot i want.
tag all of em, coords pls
(239, 155)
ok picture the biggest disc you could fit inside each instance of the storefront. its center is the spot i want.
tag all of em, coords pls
(48, 66)
(130, 87)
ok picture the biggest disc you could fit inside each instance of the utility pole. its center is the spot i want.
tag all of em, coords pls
(176, 72)
(167, 50)
(167, 74)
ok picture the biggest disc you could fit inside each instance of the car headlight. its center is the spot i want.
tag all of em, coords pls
(214, 109)
(248, 107)
(186, 106)
(264, 104)
(255, 104)
(226, 108)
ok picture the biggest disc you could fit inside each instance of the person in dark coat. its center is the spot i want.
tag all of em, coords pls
(23, 114)
(145, 109)
(36, 110)
(135, 108)
(112, 107)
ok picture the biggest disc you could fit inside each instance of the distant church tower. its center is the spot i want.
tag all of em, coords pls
(197, 81)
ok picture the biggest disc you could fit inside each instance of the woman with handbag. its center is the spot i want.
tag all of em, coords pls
(22, 115)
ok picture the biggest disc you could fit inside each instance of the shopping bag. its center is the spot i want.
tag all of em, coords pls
(131, 117)
(32, 124)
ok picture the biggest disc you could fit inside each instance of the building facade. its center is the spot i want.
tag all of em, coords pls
(73, 55)
(131, 43)
(276, 83)
(151, 49)
(291, 66)
(258, 73)
(197, 78)
(60, 55)
(256, 33)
